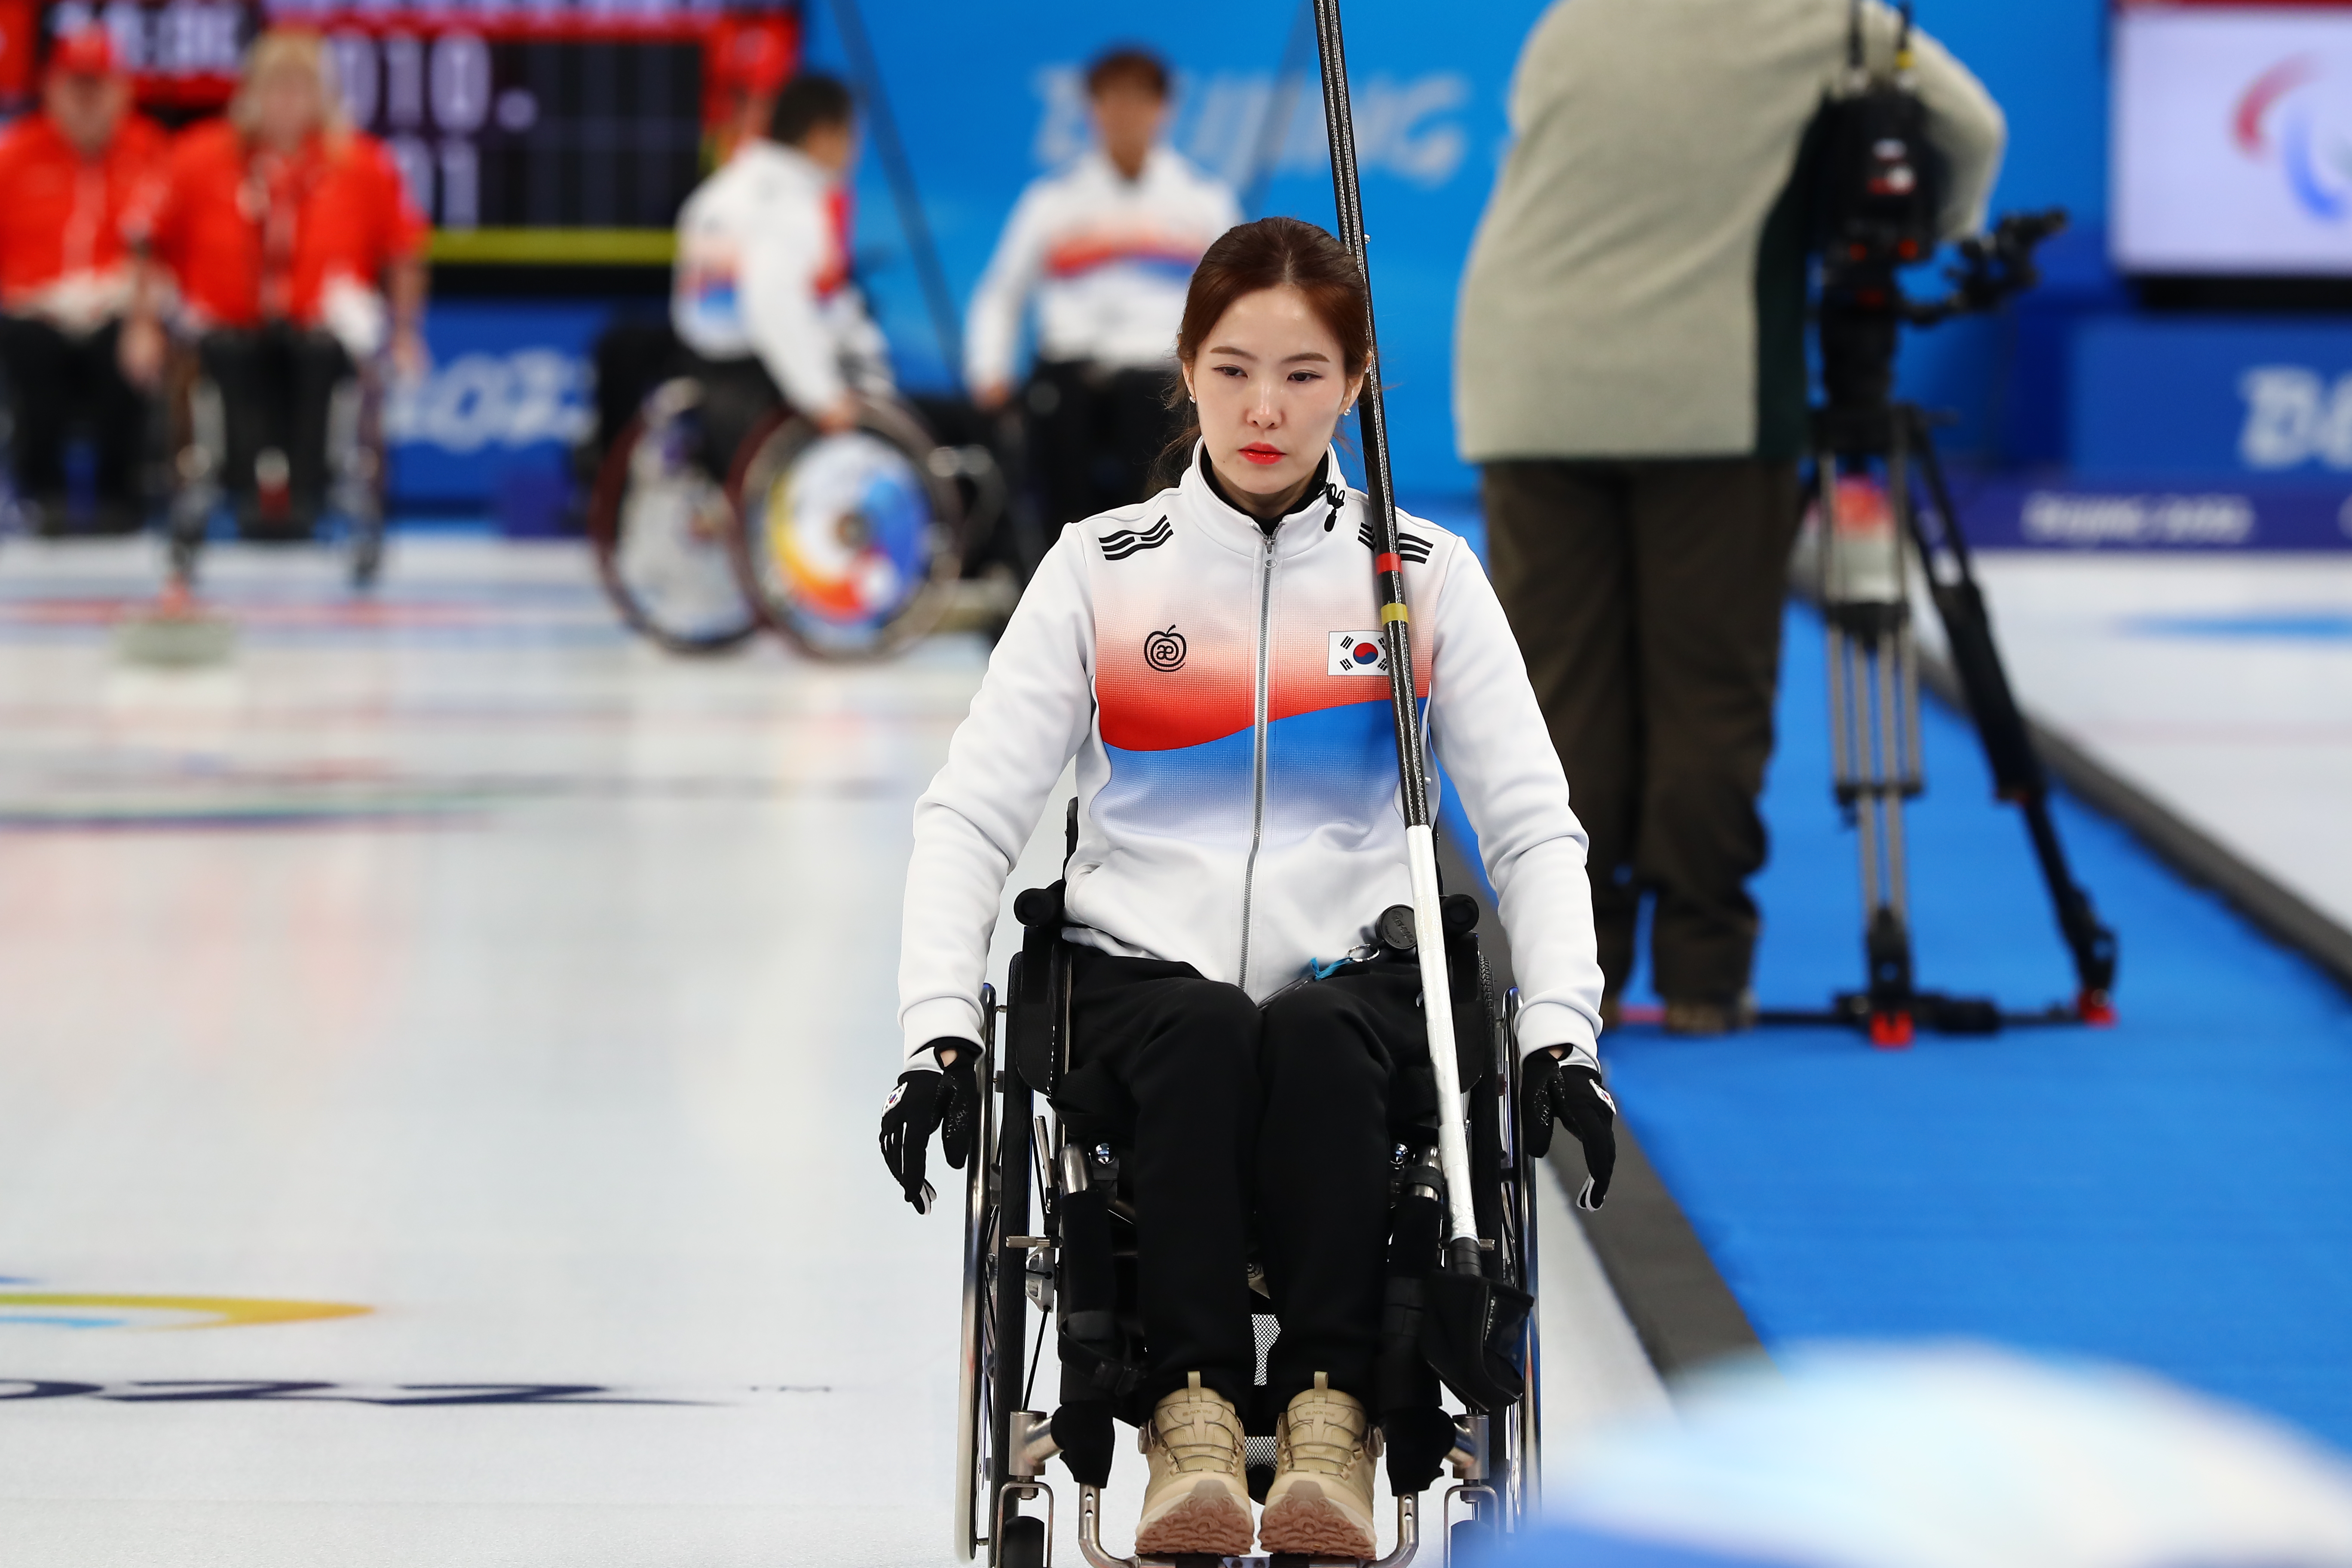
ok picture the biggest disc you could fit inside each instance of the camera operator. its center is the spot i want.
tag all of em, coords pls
(1631, 377)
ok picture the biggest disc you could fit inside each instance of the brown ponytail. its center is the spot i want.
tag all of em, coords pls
(1271, 253)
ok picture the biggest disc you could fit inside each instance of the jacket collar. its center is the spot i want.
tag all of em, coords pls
(1100, 169)
(761, 150)
(1300, 528)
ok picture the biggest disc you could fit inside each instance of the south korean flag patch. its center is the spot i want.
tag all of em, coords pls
(1357, 653)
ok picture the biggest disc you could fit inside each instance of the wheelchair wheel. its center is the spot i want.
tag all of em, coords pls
(976, 1380)
(661, 527)
(355, 454)
(849, 545)
(1515, 1437)
(995, 1309)
(1024, 1543)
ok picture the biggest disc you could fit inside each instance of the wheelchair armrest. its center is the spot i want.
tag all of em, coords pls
(1040, 908)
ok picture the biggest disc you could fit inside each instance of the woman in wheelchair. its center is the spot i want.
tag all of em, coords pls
(1211, 657)
(299, 262)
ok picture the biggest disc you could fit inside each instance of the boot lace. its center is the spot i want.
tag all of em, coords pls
(1199, 1434)
(1325, 1435)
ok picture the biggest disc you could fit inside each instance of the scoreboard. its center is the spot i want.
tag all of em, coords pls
(539, 131)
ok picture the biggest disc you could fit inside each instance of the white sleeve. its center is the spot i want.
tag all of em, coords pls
(1033, 711)
(782, 253)
(992, 325)
(861, 351)
(1497, 752)
(1963, 122)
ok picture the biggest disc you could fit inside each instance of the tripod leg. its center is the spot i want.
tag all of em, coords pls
(1869, 651)
(1887, 941)
(2000, 727)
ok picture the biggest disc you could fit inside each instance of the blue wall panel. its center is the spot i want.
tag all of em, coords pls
(2216, 398)
(490, 427)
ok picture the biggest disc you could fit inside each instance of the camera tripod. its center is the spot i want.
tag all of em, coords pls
(1867, 553)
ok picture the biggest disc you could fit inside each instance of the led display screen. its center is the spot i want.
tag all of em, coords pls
(2233, 143)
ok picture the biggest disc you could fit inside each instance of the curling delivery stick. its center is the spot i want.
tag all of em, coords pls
(1396, 638)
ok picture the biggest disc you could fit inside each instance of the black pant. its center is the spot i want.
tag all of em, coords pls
(276, 383)
(59, 383)
(1645, 596)
(632, 356)
(737, 396)
(1286, 1114)
(1094, 436)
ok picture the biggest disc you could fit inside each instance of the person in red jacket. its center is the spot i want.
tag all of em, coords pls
(76, 181)
(297, 254)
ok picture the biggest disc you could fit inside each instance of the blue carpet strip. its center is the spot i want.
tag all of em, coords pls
(2175, 1191)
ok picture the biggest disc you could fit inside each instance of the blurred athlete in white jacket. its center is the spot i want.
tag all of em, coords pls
(1105, 248)
(1212, 658)
(761, 295)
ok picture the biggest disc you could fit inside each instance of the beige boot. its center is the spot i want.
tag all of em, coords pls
(1197, 1500)
(1321, 1501)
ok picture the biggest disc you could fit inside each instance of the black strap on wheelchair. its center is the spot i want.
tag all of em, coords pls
(1102, 1359)
(1038, 988)
(1418, 1432)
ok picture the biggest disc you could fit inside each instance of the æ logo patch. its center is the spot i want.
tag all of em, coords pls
(1164, 652)
(1357, 653)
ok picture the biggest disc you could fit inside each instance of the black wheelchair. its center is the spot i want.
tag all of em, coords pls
(217, 464)
(847, 545)
(1049, 1226)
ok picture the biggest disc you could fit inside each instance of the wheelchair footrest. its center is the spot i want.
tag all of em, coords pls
(1408, 1541)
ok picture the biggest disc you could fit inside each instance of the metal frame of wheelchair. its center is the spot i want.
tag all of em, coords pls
(648, 465)
(1011, 1263)
(197, 421)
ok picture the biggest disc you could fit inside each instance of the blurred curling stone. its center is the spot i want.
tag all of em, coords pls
(1944, 1457)
(176, 632)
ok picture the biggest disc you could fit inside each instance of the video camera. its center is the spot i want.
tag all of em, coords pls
(1878, 195)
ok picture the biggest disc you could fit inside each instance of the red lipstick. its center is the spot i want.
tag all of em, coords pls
(1261, 454)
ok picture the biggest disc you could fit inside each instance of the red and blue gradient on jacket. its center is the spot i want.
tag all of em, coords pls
(1177, 722)
(1152, 251)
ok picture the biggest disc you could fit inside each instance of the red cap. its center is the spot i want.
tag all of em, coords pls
(85, 51)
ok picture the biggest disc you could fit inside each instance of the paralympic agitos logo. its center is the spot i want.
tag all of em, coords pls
(2287, 115)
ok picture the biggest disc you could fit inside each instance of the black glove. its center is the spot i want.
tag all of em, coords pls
(947, 1102)
(1574, 1097)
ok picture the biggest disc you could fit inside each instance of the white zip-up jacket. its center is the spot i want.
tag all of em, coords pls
(1108, 260)
(1222, 691)
(761, 269)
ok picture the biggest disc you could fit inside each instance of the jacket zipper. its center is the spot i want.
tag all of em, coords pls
(1258, 749)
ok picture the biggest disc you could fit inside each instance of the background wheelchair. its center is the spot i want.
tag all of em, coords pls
(848, 546)
(202, 484)
(1036, 1206)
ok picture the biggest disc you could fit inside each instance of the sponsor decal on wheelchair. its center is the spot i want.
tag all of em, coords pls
(1357, 653)
(1164, 652)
